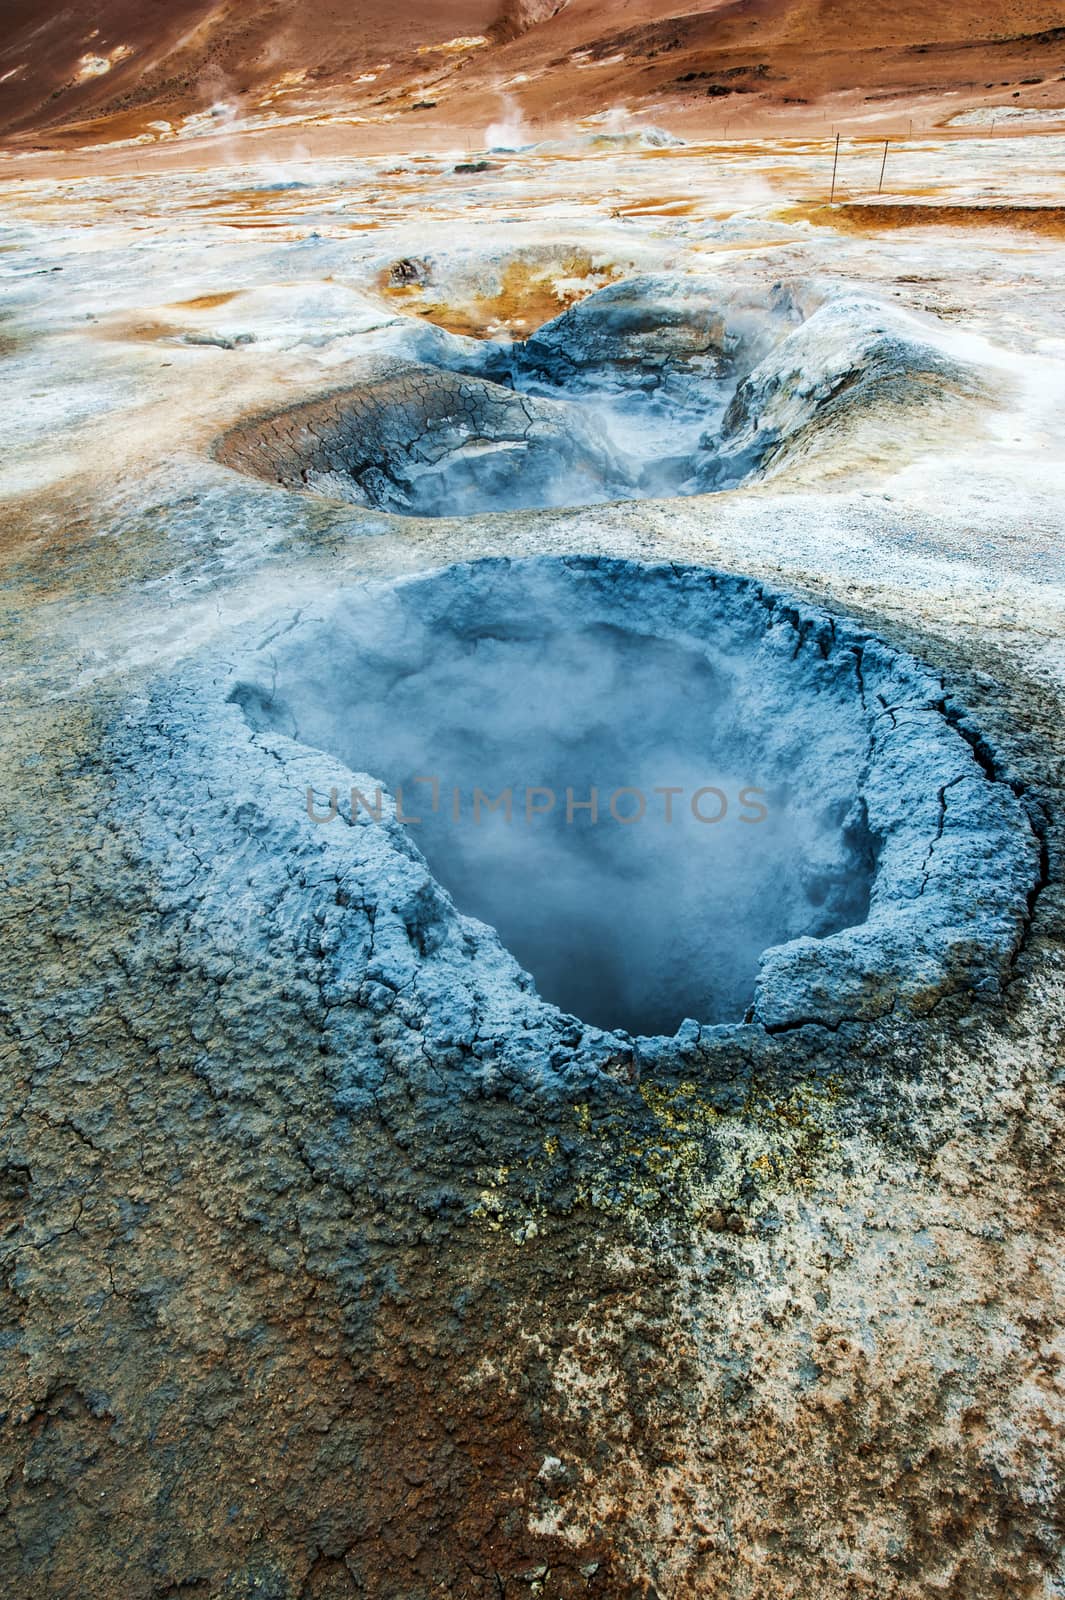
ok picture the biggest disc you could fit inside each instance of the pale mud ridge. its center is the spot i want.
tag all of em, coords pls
(649, 387)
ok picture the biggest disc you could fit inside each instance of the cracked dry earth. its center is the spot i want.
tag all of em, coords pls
(336, 1263)
(389, 418)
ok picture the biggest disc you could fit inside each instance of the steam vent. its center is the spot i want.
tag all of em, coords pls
(672, 794)
(654, 386)
(532, 954)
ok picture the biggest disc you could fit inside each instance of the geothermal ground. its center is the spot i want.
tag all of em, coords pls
(418, 1180)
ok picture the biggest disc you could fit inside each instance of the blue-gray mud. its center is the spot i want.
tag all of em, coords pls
(363, 1269)
(651, 387)
(793, 826)
(418, 1025)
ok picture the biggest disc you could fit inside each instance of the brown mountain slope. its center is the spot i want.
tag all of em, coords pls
(161, 69)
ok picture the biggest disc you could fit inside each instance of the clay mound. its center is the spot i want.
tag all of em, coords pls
(425, 441)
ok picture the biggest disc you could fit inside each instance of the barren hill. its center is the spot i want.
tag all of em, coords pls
(159, 70)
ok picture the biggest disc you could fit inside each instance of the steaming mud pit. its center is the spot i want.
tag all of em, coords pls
(651, 387)
(668, 791)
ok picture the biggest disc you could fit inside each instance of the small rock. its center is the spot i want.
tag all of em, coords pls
(408, 271)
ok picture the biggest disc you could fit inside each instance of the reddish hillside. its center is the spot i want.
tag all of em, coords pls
(159, 69)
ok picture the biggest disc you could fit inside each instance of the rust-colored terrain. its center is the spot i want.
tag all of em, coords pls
(156, 72)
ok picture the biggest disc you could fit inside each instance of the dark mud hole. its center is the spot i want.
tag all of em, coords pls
(638, 817)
